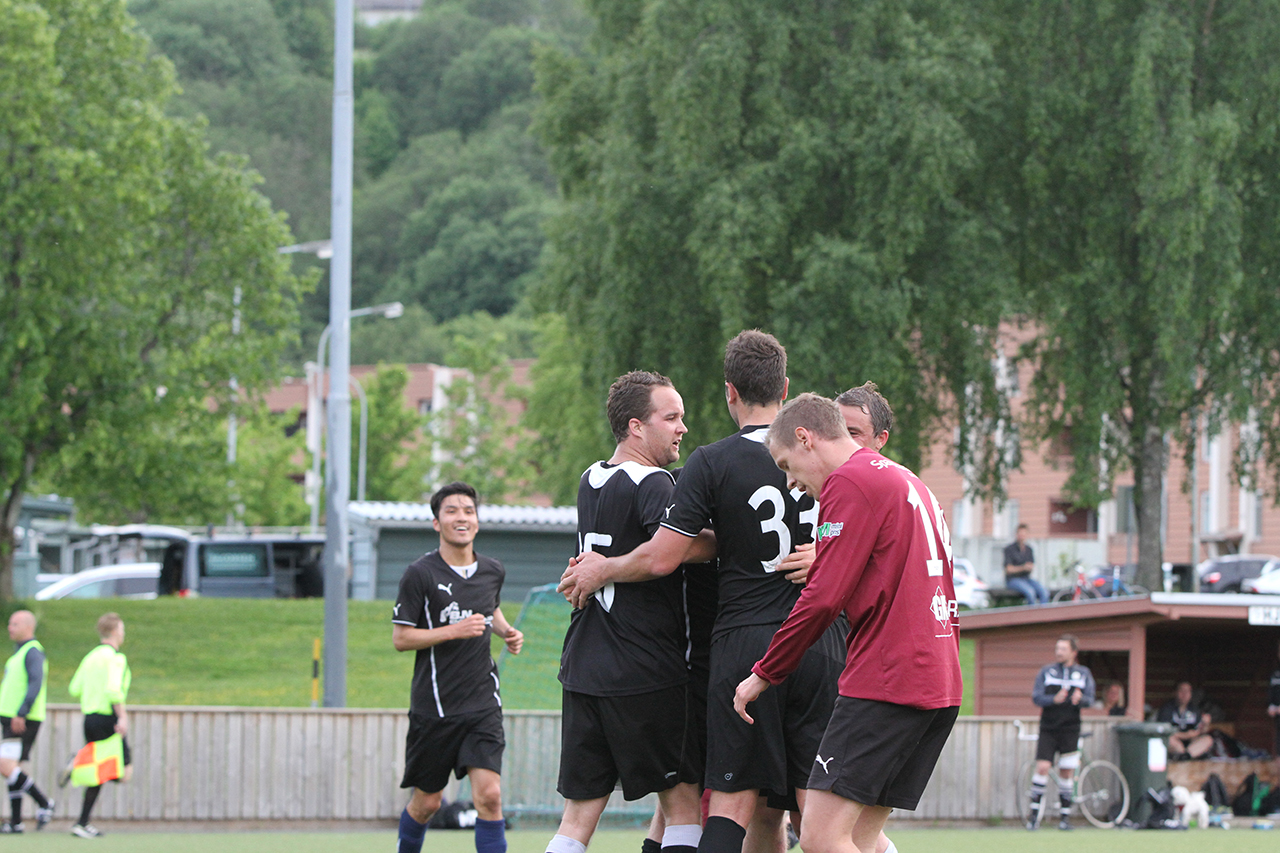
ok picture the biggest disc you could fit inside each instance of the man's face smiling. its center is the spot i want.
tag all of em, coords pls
(860, 428)
(457, 522)
(665, 426)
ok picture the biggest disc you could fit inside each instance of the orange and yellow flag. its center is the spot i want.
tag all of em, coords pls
(99, 761)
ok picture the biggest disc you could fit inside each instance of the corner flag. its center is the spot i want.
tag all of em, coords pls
(99, 761)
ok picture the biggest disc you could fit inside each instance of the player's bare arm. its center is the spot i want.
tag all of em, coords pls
(407, 638)
(749, 690)
(795, 566)
(513, 638)
(657, 558)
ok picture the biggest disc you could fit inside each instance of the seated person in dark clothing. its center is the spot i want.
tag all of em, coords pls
(1019, 561)
(1192, 738)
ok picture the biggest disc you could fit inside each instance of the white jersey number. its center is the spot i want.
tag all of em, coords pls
(809, 516)
(588, 542)
(773, 524)
(933, 533)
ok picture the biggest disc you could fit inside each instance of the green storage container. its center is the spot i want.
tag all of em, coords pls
(1144, 757)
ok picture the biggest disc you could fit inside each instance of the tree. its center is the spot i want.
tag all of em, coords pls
(1138, 157)
(126, 252)
(810, 169)
(472, 437)
(397, 457)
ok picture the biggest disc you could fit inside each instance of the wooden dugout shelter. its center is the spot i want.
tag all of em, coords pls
(1224, 644)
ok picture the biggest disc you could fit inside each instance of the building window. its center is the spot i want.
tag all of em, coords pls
(424, 406)
(1067, 520)
(1126, 512)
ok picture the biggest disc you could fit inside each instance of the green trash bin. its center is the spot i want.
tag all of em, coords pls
(1144, 758)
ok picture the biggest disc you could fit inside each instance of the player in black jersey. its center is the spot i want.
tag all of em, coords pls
(1062, 688)
(446, 609)
(734, 487)
(623, 665)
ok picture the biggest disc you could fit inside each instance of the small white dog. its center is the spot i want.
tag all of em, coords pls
(1191, 807)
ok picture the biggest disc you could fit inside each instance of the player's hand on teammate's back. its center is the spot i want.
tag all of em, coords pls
(749, 689)
(796, 564)
(514, 641)
(472, 626)
(582, 578)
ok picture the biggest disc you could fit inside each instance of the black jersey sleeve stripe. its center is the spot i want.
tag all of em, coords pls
(681, 532)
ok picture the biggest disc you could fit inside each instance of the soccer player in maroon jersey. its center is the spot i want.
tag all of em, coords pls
(884, 558)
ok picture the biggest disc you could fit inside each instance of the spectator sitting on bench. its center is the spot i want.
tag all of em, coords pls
(1192, 738)
(1019, 561)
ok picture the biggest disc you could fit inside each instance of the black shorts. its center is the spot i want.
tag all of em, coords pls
(27, 737)
(693, 760)
(438, 746)
(103, 726)
(776, 753)
(637, 740)
(879, 753)
(1057, 741)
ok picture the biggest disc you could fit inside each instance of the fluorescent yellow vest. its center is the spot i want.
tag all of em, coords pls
(14, 687)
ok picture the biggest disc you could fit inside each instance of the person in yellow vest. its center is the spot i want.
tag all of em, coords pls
(101, 683)
(22, 695)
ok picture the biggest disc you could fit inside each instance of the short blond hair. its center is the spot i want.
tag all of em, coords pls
(813, 412)
(108, 623)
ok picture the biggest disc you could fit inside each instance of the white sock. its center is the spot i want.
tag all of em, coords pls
(892, 848)
(13, 777)
(565, 844)
(685, 835)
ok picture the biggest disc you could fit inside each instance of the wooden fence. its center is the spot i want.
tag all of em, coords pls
(200, 763)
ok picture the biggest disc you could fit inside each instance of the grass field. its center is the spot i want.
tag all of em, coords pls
(257, 652)
(628, 841)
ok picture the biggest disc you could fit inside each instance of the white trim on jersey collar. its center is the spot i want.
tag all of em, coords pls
(757, 435)
(598, 474)
(465, 572)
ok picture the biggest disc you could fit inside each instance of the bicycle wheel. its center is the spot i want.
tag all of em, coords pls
(1103, 794)
(1022, 794)
(1069, 594)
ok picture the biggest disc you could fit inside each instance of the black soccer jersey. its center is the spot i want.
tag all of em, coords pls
(630, 638)
(735, 487)
(1049, 681)
(458, 676)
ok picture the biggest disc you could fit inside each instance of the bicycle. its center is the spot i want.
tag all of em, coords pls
(1098, 788)
(1115, 585)
(1082, 589)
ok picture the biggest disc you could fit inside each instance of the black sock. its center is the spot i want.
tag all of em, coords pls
(90, 797)
(650, 845)
(721, 835)
(28, 785)
(15, 803)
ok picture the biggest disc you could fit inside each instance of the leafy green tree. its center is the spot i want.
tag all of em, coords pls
(1138, 152)
(127, 249)
(564, 428)
(810, 169)
(454, 224)
(397, 457)
(472, 437)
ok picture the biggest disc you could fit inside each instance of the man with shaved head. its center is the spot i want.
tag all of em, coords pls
(22, 700)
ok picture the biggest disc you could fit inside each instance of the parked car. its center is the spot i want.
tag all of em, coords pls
(127, 580)
(971, 591)
(1267, 583)
(1228, 574)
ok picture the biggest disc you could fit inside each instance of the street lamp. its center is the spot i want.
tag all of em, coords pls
(390, 310)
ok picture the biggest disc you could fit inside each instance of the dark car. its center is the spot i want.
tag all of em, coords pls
(1225, 574)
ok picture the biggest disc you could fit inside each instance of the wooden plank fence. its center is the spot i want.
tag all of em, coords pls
(210, 763)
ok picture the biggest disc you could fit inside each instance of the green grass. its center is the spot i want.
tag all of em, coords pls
(987, 840)
(257, 652)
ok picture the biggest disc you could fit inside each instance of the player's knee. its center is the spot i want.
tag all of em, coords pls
(487, 797)
(423, 805)
(812, 839)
